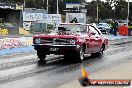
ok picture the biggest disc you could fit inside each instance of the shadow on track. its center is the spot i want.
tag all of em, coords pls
(60, 61)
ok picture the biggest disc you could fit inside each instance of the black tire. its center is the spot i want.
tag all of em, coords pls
(69, 58)
(75, 56)
(98, 54)
(84, 82)
(105, 32)
(41, 55)
(80, 55)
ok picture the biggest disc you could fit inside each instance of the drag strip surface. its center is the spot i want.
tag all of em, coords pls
(57, 71)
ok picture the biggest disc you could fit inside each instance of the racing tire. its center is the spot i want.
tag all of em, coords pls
(105, 32)
(80, 55)
(68, 58)
(98, 54)
(75, 56)
(41, 55)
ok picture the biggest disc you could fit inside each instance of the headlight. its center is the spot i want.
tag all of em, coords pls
(37, 40)
(72, 41)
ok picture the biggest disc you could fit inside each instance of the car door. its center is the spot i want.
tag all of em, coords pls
(85, 38)
(95, 39)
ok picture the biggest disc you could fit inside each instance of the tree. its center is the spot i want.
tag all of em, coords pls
(121, 9)
(39, 4)
(73, 0)
(109, 9)
(103, 7)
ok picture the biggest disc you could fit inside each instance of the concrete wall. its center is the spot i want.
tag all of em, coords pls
(7, 43)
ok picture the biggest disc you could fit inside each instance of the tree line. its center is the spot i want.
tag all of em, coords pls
(108, 9)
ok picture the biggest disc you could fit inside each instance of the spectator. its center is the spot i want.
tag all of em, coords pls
(74, 20)
(114, 26)
(130, 28)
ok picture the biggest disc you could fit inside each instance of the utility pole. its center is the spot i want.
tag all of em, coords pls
(57, 7)
(47, 6)
(97, 12)
(24, 3)
(128, 12)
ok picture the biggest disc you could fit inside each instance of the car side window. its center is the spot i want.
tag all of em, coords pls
(93, 30)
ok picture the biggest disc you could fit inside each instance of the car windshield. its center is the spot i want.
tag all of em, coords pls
(73, 28)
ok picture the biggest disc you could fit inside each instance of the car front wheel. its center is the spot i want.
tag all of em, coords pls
(41, 55)
(80, 54)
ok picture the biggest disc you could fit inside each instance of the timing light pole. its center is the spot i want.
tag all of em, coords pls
(128, 12)
(97, 12)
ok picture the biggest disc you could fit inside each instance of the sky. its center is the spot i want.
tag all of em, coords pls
(104, 0)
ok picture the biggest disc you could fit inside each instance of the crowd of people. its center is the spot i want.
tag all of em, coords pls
(120, 29)
(115, 27)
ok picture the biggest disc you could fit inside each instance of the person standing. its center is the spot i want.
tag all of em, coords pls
(111, 29)
(114, 25)
(130, 28)
(74, 20)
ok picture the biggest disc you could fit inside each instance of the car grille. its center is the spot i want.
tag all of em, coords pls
(56, 41)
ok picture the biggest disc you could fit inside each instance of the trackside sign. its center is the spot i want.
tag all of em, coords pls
(41, 17)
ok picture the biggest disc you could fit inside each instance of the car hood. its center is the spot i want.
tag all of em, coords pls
(55, 35)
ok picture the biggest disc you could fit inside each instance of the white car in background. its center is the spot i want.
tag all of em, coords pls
(103, 27)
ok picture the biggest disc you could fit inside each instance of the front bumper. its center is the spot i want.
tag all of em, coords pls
(60, 49)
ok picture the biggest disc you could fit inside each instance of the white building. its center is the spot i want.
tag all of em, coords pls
(75, 10)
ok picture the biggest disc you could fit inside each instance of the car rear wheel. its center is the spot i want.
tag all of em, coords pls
(41, 55)
(98, 54)
(101, 52)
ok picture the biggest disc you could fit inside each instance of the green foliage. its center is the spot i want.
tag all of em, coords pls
(106, 11)
(71, 0)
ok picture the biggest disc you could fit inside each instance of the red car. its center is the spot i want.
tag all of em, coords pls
(71, 40)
